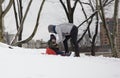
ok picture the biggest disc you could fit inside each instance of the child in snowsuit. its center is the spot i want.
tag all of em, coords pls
(53, 45)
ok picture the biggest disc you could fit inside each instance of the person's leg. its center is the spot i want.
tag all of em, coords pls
(60, 52)
(66, 44)
(73, 34)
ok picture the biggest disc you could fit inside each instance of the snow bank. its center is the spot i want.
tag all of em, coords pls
(30, 63)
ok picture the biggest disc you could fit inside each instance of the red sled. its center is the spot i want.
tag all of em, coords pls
(50, 51)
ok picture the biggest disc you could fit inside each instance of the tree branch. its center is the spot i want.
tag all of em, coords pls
(65, 8)
(7, 8)
(21, 25)
(74, 5)
(36, 26)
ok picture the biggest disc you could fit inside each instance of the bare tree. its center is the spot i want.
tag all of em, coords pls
(92, 40)
(115, 28)
(2, 14)
(18, 12)
(35, 29)
(20, 18)
(95, 9)
(111, 35)
(96, 32)
(69, 10)
(21, 24)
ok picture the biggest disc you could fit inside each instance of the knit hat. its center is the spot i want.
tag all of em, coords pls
(52, 36)
(51, 28)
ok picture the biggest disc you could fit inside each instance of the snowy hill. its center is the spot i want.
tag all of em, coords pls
(30, 63)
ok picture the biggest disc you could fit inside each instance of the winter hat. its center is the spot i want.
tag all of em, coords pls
(52, 36)
(51, 28)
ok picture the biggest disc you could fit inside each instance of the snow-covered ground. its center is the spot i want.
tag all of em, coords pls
(31, 63)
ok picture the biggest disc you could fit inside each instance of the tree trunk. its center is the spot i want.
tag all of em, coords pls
(94, 37)
(21, 24)
(115, 29)
(2, 14)
(20, 19)
(1, 24)
(35, 29)
(69, 10)
(110, 35)
(96, 32)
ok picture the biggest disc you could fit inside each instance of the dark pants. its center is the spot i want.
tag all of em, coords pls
(73, 37)
(60, 53)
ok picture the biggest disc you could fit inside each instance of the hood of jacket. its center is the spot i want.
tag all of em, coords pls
(51, 28)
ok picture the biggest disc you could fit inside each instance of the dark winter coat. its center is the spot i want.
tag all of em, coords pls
(53, 45)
